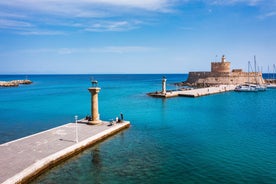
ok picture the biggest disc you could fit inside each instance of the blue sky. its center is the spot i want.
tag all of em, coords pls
(138, 36)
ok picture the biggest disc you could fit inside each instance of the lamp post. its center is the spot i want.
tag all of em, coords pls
(76, 123)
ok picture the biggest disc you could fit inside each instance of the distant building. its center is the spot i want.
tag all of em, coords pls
(221, 74)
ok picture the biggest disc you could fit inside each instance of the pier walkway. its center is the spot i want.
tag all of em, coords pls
(194, 92)
(23, 159)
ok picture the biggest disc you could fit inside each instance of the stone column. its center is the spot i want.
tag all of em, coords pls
(94, 105)
(164, 85)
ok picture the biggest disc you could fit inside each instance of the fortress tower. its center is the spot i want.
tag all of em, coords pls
(220, 74)
(221, 67)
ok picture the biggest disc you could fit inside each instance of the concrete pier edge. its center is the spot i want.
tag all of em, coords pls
(194, 93)
(39, 167)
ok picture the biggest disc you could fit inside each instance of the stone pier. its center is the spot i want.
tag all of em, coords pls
(189, 92)
(26, 158)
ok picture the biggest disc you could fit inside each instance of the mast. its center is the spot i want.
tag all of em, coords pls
(248, 71)
(255, 63)
(274, 70)
(268, 72)
(256, 75)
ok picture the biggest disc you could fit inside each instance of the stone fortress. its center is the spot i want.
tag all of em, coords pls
(221, 74)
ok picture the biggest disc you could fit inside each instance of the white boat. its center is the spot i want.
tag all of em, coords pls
(261, 87)
(246, 88)
(251, 87)
(271, 85)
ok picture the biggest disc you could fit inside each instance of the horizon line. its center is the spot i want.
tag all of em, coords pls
(90, 73)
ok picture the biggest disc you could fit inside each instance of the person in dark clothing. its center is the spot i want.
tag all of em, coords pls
(122, 117)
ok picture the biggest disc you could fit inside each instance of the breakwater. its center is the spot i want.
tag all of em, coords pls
(190, 92)
(14, 83)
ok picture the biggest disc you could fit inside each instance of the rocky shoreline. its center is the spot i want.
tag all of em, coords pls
(14, 83)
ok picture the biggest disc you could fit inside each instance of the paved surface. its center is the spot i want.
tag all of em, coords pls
(24, 156)
(195, 92)
(207, 91)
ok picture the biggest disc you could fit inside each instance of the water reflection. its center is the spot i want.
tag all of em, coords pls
(96, 165)
(96, 158)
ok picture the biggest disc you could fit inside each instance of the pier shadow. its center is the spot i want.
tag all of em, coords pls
(96, 165)
(96, 158)
(83, 121)
(66, 140)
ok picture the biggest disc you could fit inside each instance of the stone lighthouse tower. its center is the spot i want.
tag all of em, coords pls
(164, 85)
(94, 90)
(223, 59)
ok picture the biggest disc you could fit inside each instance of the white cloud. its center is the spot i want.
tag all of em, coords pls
(123, 49)
(231, 2)
(113, 26)
(270, 14)
(25, 28)
(85, 15)
(108, 49)
(46, 17)
(84, 7)
(143, 4)
(266, 8)
(14, 24)
(267, 15)
(11, 15)
(41, 32)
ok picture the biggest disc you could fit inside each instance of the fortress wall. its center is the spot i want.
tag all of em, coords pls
(194, 76)
(210, 78)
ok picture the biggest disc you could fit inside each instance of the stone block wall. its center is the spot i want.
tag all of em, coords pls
(211, 78)
(220, 67)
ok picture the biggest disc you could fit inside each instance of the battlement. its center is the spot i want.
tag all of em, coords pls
(220, 67)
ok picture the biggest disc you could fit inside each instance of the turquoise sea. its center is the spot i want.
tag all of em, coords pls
(223, 138)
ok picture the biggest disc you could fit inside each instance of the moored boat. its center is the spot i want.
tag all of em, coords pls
(251, 87)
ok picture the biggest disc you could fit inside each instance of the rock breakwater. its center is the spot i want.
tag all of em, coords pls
(14, 83)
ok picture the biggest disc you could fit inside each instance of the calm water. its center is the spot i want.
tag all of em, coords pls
(223, 138)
